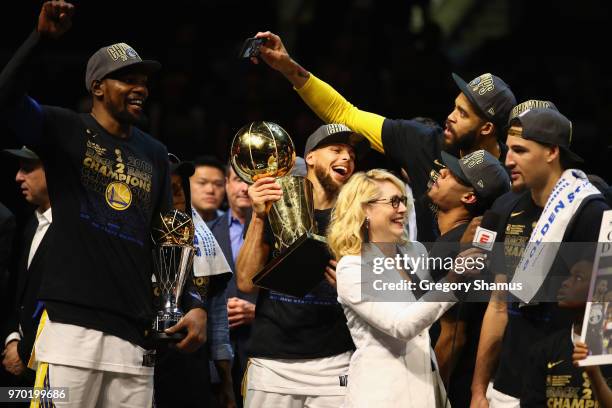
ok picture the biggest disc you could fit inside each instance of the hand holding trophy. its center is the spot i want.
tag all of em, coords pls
(172, 260)
(264, 149)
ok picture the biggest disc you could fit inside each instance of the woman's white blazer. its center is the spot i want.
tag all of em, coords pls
(392, 364)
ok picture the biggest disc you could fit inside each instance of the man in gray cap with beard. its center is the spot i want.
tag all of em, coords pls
(299, 347)
(108, 181)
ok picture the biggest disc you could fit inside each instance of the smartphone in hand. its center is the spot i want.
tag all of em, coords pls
(250, 48)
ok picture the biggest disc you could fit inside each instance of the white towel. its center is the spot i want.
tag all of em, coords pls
(567, 195)
(209, 259)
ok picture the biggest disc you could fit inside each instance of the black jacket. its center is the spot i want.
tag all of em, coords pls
(239, 336)
(28, 285)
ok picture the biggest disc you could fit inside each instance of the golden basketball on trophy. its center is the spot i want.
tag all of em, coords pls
(262, 149)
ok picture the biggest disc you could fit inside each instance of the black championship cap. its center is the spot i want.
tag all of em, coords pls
(113, 58)
(480, 170)
(491, 97)
(24, 153)
(337, 133)
(547, 126)
(530, 104)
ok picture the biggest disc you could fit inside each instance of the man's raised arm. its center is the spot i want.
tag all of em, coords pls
(23, 112)
(324, 100)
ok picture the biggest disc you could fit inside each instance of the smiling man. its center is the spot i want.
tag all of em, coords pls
(299, 347)
(108, 181)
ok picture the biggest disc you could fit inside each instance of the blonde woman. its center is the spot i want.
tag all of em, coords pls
(393, 365)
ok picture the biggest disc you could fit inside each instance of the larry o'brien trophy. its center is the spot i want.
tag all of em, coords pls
(264, 149)
(172, 261)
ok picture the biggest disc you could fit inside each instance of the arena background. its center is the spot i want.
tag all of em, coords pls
(389, 57)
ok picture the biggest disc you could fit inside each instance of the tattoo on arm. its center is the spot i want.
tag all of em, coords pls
(302, 72)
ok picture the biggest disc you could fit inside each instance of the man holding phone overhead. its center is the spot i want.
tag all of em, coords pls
(476, 122)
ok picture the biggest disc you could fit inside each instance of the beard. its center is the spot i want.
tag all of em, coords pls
(125, 117)
(330, 187)
(141, 121)
(464, 143)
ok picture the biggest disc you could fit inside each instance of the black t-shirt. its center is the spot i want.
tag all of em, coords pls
(105, 192)
(551, 380)
(469, 312)
(288, 327)
(527, 324)
(417, 148)
(446, 246)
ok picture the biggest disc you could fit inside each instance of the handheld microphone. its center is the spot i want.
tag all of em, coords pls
(485, 235)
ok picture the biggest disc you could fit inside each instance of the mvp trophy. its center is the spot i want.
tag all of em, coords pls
(172, 260)
(264, 149)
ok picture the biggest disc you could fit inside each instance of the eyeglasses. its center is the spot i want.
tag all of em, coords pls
(394, 201)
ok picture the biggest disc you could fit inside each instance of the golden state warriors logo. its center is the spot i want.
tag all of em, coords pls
(118, 195)
(201, 283)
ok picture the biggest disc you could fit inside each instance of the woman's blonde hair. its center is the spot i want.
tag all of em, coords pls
(346, 231)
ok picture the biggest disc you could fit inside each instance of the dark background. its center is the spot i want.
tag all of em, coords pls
(373, 52)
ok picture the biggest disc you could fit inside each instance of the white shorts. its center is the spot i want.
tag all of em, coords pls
(310, 383)
(498, 399)
(263, 399)
(94, 388)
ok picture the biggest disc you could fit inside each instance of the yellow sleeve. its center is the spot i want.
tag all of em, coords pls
(331, 107)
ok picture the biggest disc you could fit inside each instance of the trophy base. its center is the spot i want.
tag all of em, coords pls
(166, 319)
(162, 338)
(297, 269)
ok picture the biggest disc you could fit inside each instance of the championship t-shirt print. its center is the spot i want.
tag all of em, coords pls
(123, 180)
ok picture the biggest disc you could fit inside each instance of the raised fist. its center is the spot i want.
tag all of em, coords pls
(55, 18)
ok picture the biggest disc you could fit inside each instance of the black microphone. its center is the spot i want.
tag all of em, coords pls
(486, 233)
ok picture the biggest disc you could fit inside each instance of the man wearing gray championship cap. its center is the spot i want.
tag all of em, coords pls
(108, 182)
(113, 58)
(299, 347)
(336, 134)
